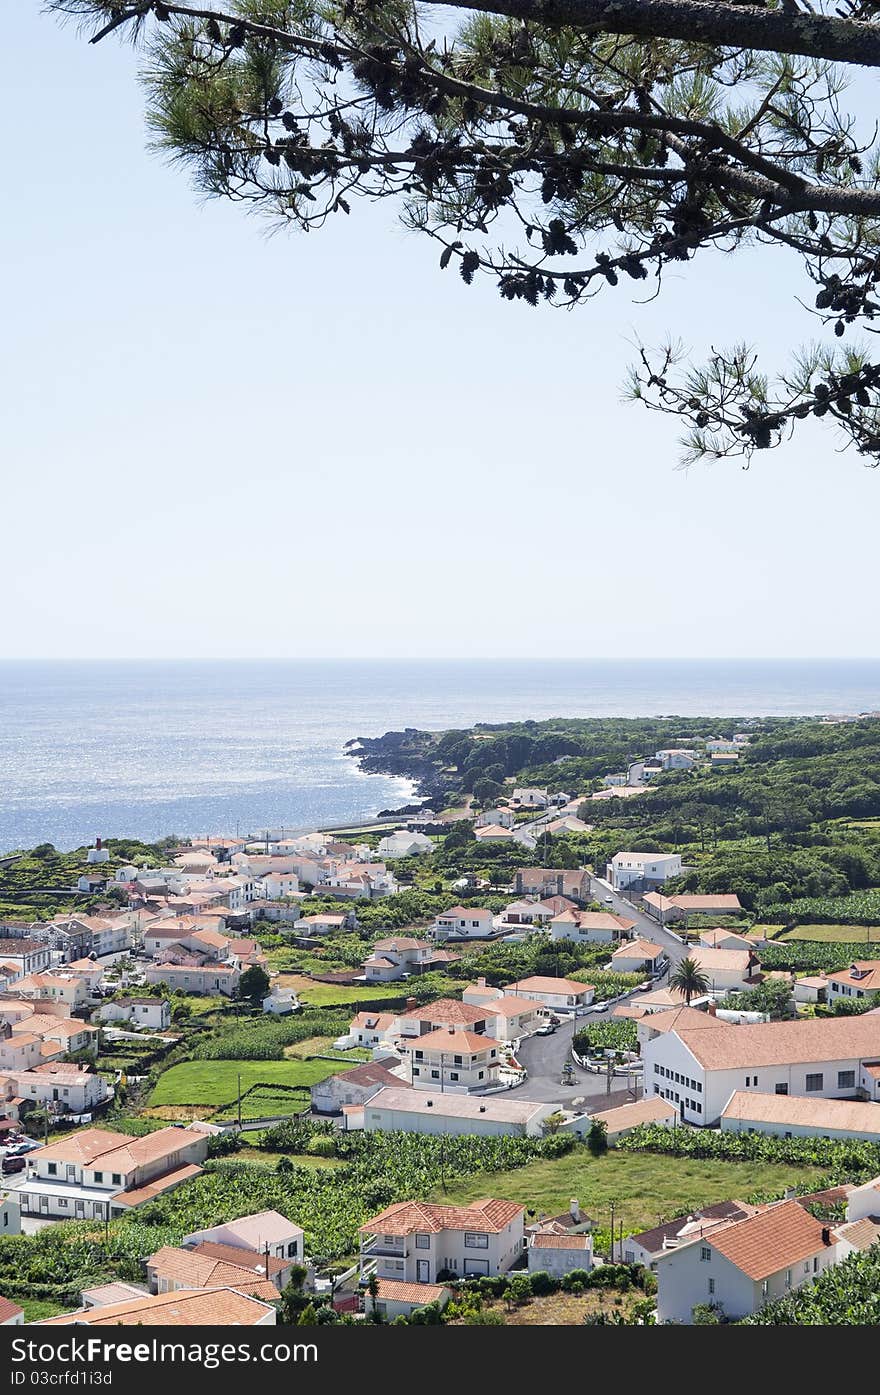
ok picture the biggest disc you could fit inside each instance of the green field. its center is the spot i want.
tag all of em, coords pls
(646, 1188)
(332, 994)
(831, 934)
(215, 1083)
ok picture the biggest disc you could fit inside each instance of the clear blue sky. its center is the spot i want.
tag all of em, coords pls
(220, 442)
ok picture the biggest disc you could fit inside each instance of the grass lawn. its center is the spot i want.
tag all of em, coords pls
(216, 1082)
(646, 1188)
(831, 934)
(35, 1309)
(266, 1104)
(332, 994)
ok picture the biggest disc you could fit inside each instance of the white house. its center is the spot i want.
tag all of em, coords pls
(152, 1013)
(648, 1246)
(462, 924)
(642, 871)
(676, 758)
(683, 906)
(397, 957)
(511, 1018)
(725, 939)
(558, 1252)
(591, 927)
(792, 1116)
(525, 914)
(198, 979)
(369, 1028)
(418, 1111)
(625, 1117)
(501, 818)
(859, 981)
(530, 798)
(10, 1214)
(99, 1174)
(261, 1233)
(727, 970)
(354, 1086)
(744, 1264)
(450, 1013)
(62, 1087)
(453, 1060)
(280, 1002)
(405, 845)
(700, 1063)
(638, 956)
(557, 994)
(397, 1299)
(421, 1243)
(201, 1307)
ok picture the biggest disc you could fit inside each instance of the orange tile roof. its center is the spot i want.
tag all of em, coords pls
(868, 979)
(775, 1239)
(158, 1186)
(538, 984)
(447, 1010)
(848, 1116)
(638, 949)
(443, 1039)
(547, 1241)
(407, 1217)
(646, 1111)
(394, 1291)
(785, 1043)
(213, 1307)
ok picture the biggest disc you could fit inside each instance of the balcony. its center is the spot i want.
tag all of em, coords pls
(380, 1249)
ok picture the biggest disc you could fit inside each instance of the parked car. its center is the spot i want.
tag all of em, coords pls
(546, 1030)
(13, 1164)
(610, 900)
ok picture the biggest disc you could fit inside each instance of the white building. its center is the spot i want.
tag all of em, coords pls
(99, 1174)
(405, 845)
(743, 1265)
(462, 924)
(417, 1111)
(62, 1087)
(280, 1002)
(418, 1242)
(453, 1060)
(859, 981)
(151, 1013)
(501, 818)
(557, 994)
(530, 798)
(792, 1116)
(727, 970)
(676, 758)
(637, 957)
(354, 1086)
(558, 1252)
(261, 1233)
(698, 1064)
(642, 871)
(591, 927)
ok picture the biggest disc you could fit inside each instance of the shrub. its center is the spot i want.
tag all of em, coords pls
(543, 1283)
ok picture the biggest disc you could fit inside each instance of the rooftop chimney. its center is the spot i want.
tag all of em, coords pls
(574, 1208)
(826, 1235)
(712, 1009)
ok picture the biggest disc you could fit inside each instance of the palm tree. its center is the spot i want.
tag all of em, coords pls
(690, 980)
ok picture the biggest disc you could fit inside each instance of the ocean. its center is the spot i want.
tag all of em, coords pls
(147, 749)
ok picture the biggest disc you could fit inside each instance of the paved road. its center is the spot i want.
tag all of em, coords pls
(544, 1057)
(646, 926)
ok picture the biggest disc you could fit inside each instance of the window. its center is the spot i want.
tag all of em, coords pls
(99, 1176)
(788, 1278)
(52, 1169)
(846, 1079)
(116, 1177)
(815, 1082)
(473, 1240)
(765, 1288)
(292, 1249)
(705, 1252)
(435, 1075)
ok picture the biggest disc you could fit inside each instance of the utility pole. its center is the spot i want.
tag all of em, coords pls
(611, 1256)
(239, 1101)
